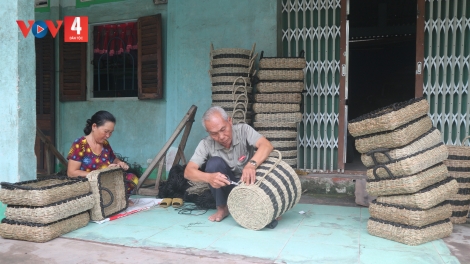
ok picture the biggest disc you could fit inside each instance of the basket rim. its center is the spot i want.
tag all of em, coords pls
(18, 185)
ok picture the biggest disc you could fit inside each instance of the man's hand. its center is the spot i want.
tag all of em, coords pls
(249, 174)
(217, 180)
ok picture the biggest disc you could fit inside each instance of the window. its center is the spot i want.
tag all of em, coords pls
(119, 70)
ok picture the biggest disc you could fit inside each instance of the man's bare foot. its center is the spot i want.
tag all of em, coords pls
(222, 212)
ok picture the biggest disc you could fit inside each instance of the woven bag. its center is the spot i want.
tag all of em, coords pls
(35, 232)
(109, 192)
(282, 63)
(281, 75)
(280, 87)
(275, 108)
(294, 98)
(389, 117)
(279, 117)
(409, 235)
(51, 212)
(407, 184)
(425, 198)
(410, 216)
(276, 190)
(48, 190)
(401, 136)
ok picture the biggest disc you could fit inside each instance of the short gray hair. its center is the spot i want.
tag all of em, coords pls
(214, 109)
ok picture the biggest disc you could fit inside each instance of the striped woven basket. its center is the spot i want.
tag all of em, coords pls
(231, 62)
(291, 162)
(407, 184)
(229, 89)
(275, 108)
(231, 52)
(410, 216)
(401, 136)
(389, 117)
(231, 71)
(286, 154)
(382, 156)
(277, 189)
(229, 106)
(279, 135)
(425, 198)
(409, 235)
(284, 145)
(41, 233)
(460, 203)
(51, 212)
(230, 80)
(44, 191)
(278, 126)
(283, 63)
(295, 98)
(281, 75)
(410, 164)
(230, 97)
(279, 117)
(280, 87)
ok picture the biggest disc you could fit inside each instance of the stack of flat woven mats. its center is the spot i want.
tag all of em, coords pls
(41, 210)
(404, 157)
(231, 71)
(277, 102)
(458, 164)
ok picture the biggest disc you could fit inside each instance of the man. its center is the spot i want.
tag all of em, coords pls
(228, 155)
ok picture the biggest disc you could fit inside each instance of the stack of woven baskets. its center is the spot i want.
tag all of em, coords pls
(277, 102)
(458, 164)
(404, 155)
(231, 71)
(41, 210)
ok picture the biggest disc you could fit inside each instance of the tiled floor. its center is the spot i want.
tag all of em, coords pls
(323, 234)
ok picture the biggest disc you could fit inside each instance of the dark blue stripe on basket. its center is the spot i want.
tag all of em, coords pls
(271, 196)
(282, 194)
(291, 180)
(455, 157)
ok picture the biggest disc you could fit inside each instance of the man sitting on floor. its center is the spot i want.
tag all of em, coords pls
(228, 154)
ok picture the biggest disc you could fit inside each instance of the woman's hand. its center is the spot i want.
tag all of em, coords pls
(120, 164)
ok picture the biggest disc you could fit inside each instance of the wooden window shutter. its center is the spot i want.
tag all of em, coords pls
(150, 74)
(72, 77)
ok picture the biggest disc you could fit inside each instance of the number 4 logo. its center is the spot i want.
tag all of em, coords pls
(75, 29)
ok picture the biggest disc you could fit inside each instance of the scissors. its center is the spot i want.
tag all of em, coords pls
(231, 182)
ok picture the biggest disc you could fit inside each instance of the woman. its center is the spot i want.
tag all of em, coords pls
(93, 152)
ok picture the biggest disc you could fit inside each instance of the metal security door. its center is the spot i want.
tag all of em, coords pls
(446, 66)
(314, 26)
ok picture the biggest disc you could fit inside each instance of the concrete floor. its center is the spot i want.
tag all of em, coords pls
(323, 234)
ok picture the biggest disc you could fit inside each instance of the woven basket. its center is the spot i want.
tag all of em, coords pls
(34, 232)
(410, 216)
(231, 71)
(281, 75)
(231, 52)
(425, 198)
(459, 152)
(291, 162)
(275, 108)
(44, 191)
(280, 87)
(389, 117)
(411, 164)
(51, 212)
(407, 184)
(280, 135)
(109, 192)
(284, 145)
(230, 98)
(279, 117)
(381, 156)
(278, 126)
(295, 98)
(229, 89)
(230, 80)
(399, 137)
(276, 190)
(231, 62)
(409, 235)
(282, 63)
(287, 154)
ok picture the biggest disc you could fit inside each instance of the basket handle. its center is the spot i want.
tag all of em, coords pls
(261, 56)
(14, 186)
(385, 168)
(253, 49)
(244, 80)
(110, 194)
(302, 54)
(463, 140)
(379, 150)
(243, 113)
(272, 167)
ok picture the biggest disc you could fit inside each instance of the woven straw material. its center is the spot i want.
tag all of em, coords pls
(42, 233)
(457, 174)
(407, 184)
(280, 87)
(229, 89)
(231, 62)
(427, 140)
(410, 216)
(42, 192)
(281, 75)
(295, 98)
(459, 152)
(50, 213)
(228, 106)
(231, 71)
(229, 97)
(409, 235)
(227, 52)
(276, 190)
(291, 162)
(284, 145)
(411, 164)
(282, 63)
(388, 118)
(426, 198)
(230, 80)
(460, 206)
(287, 154)
(275, 108)
(279, 135)
(459, 164)
(396, 138)
(275, 126)
(279, 117)
(109, 192)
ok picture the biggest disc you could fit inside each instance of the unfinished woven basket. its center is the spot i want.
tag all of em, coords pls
(409, 235)
(109, 192)
(382, 156)
(410, 165)
(275, 108)
(279, 117)
(280, 87)
(393, 139)
(389, 117)
(281, 75)
(294, 98)
(44, 191)
(34, 232)
(407, 184)
(277, 189)
(426, 198)
(51, 212)
(275, 126)
(410, 216)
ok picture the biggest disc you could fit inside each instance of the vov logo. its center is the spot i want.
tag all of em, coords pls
(75, 28)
